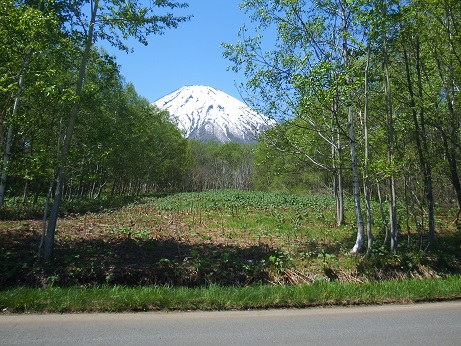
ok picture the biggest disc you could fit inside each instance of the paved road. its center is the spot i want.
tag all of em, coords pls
(423, 324)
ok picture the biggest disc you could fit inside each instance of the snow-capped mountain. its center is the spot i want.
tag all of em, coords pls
(204, 113)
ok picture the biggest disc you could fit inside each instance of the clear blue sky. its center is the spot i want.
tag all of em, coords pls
(188, 55)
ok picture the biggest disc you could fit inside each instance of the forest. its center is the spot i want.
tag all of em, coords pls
(366, 95)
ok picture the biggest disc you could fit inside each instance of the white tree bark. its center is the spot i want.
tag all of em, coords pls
(366, 178)
(356, 187)
(9, 137)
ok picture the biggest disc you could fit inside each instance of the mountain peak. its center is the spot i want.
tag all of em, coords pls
(204, 113)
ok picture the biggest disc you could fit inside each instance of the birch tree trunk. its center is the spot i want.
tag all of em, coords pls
(366, 178)
(350, 117)
(49, 238)
(9, 136)
(390, 145)
(356, 187)
(337, 171)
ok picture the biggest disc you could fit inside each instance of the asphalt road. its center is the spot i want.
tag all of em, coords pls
(423, 324)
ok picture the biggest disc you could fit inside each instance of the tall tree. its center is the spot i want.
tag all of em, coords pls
(379, 22)
(26, 33)
(297, 80)
(443, 21)
(112, 21)
(414, 69)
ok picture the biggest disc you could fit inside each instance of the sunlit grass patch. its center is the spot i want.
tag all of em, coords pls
(320, 293)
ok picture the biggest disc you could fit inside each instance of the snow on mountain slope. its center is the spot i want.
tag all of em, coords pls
(205, 113)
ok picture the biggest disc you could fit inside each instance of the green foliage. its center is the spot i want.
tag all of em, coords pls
(133, 18)
(242, 200)
(122, 145)
(285, 172)
(306, 64)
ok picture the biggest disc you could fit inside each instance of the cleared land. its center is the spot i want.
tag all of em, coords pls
(221, 238)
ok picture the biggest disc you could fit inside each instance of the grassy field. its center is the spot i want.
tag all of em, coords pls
(221, 240)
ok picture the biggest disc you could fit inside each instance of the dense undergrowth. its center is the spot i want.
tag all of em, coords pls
(225, 238)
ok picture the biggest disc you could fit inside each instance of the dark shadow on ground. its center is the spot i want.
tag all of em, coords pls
(132, 261)
(129, 261)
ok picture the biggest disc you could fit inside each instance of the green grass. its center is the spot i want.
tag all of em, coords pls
(322, 293)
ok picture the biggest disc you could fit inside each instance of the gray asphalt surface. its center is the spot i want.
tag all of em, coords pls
(419, 324)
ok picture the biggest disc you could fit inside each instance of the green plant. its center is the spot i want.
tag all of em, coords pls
(281, 260)
(325, 257)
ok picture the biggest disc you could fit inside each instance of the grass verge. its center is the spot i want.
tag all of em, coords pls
(153, 298)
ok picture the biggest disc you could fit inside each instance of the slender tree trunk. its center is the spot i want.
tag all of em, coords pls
(383, 214)
(45, 216)
(394, 232)
(339, 196)
(2, 122)
(49, 239)
(356, 187)
(338, 192)
(453, 129)
(350, 116)
(390, 146)
(427, 172)
(421, 143)
(6, 158)
(413, 202)
(9, 136)
(337, 169)
(407, 204)
(49, 195)
(366, 178)
(25, 195)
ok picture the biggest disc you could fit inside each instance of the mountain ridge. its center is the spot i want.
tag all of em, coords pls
(205, 113)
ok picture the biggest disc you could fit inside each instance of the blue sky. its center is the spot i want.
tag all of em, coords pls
(188, 55)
